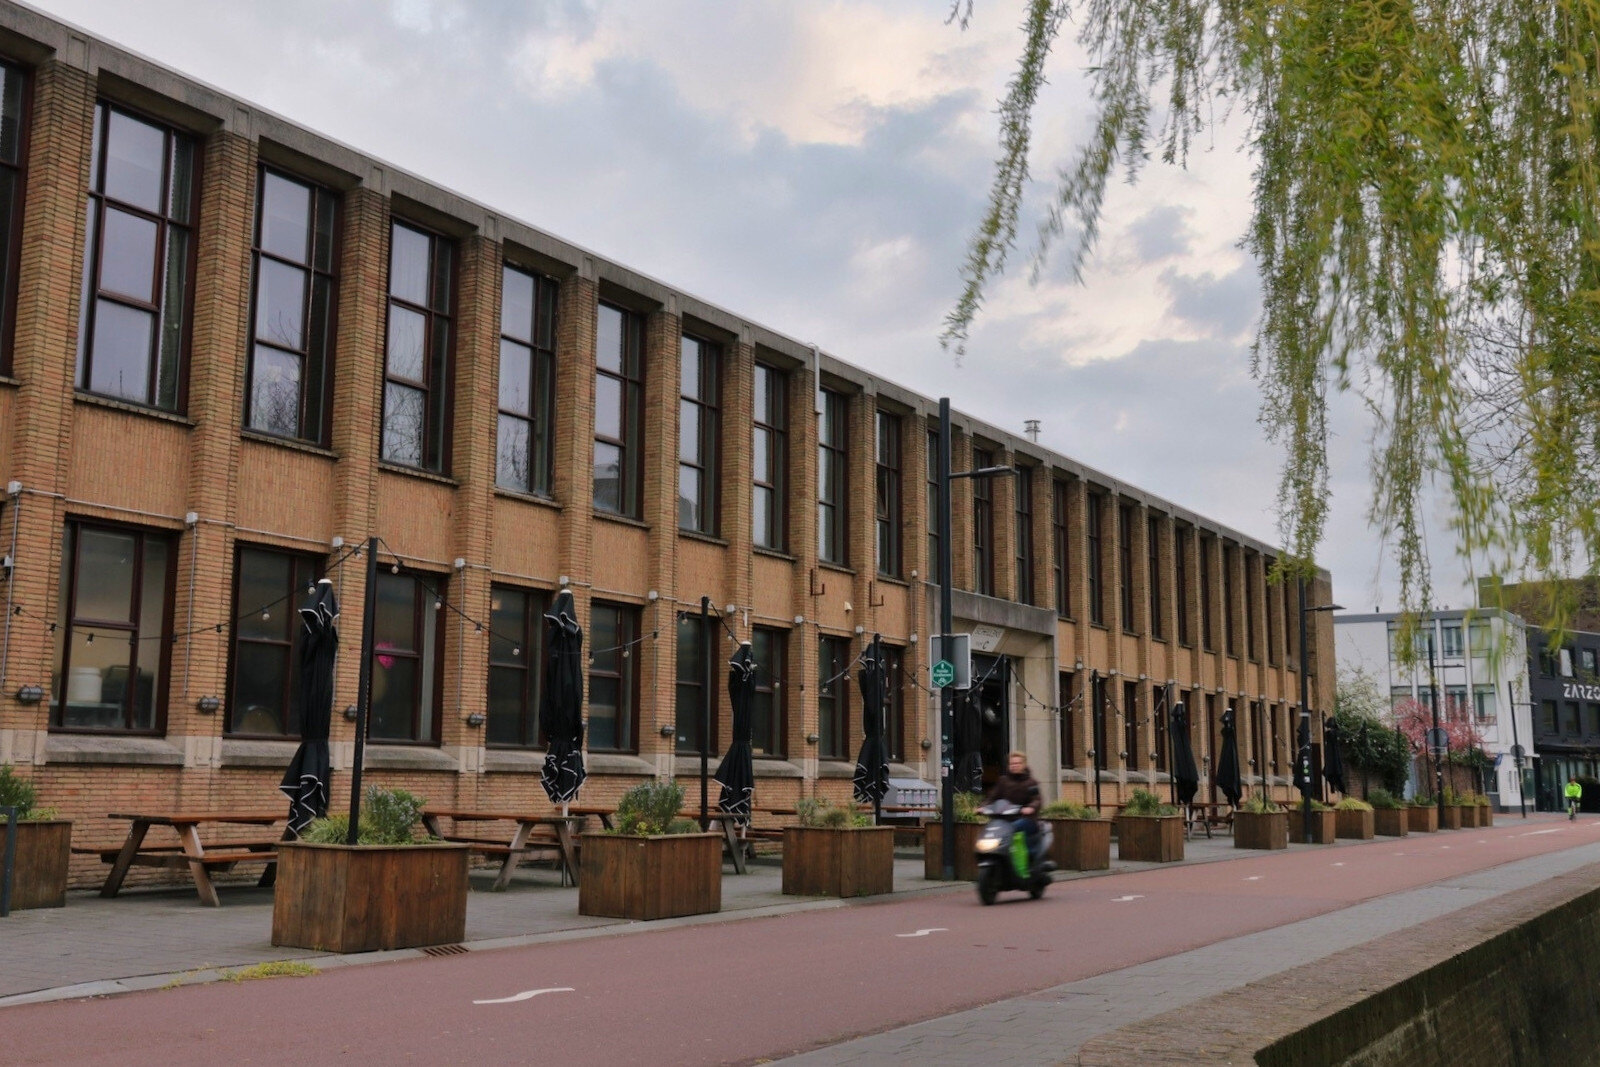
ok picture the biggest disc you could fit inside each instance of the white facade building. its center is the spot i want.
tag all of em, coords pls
(1476, 655)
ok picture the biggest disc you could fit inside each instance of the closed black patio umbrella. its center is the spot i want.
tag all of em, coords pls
(561, 703)
(1184, 773)
(307, 779)
(872, 767)
(1332, 758)
(968, 771)
(1228, 761)
(736, 772)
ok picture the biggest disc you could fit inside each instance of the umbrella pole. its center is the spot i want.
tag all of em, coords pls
(369, 608)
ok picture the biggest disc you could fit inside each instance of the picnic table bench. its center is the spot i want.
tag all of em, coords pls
(189, 852)
(534, 835)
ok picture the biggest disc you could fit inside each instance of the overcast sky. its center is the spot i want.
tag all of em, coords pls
(815, 167)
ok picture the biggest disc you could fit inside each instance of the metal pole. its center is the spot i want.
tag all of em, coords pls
(369, 611)
(946, 623)
(1516, 747)
(1098, 733)
(880, 679)
(8, 869)
(1438, 752)
(1304, 738)
(705, 709)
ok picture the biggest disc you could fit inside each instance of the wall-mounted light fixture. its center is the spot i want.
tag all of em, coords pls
(860, 630)
(668, 730)
(461, 563)
(350, 712)
(208, 705)
(812, 739)
(477, 718)
(652, 596)
(30, 694)
(731, 609)
(337, 543)
(912, 639)
(564, 581)
(926, 743)
(191, 518)
(799, 620)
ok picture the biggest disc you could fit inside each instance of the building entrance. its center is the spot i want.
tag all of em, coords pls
(991, 689)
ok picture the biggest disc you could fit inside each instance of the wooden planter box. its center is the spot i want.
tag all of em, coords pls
(820, 862)
(1469, 816)
(1452, 817)
(1150, 838)
(1355, 825)
(1323, 828)
(1423, 820)
(1485, 815)
(624, 877)
(44, 849)
(966, 850)
(362, 898)
(1260, 829)
(1390, 822)
(1081, 844)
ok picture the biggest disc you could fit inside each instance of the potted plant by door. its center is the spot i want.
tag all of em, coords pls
(654, 865)
(390, 890)
(968, 821)
(1259, 823)
(1149, 831)
(1423, 815)
(1389, 818)
(1081, 837)
(1323, 825)
(836, 851)
(1354, 819)
(44, 845)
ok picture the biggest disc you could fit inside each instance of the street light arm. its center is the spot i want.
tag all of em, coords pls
(984, 472)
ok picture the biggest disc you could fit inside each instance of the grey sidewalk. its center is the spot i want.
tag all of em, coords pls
(1050, 1026)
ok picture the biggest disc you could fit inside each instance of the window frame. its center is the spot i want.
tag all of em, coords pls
(1025, 591)
(709, 633)
(1130, 725)
(542, 370)
(934, 503)
(531, 640)
(887, 505)
(425, 587)
(983, 543)
(1252, 634)
(774, 486)
(630, 379)
(709, 375)
(1068, 735)
(836, 659)
(894, 704)
(1060, 547)
(11, 233)
(770, 671)
(1095, 567)
(1230, 634)
(627, 676)
(313, 570)
(1182, 537)
(1125, 591)
(833, 453)
(437, 384)
(1208, 607)
(1152, 580)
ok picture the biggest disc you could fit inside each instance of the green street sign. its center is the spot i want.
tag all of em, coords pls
(944, 672)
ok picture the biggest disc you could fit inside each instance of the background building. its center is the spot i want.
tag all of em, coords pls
(233, 350)
(1565, 686)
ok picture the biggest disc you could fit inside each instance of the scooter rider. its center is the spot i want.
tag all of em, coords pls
(1018, 786)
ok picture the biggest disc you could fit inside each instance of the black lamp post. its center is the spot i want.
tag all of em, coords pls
(1304, 738)
(946, 622)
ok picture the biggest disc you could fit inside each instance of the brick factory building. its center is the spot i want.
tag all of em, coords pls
(319, 347)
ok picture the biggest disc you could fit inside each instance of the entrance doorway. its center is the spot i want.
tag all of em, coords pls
(991, 688)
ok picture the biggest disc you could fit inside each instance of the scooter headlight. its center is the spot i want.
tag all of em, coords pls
(988, 844)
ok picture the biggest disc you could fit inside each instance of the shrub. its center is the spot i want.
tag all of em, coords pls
(16, 792)
(651, 809)
(820, 813)
(1145, 803)
(1259, 805)
(1317, 805)
(967, 808)
(1383, 799)
(1452, 798)
(1352, 804)
(388, 817)
(1422, 800)
(1066, 809)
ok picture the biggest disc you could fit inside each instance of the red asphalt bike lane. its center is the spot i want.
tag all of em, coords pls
(744, 990)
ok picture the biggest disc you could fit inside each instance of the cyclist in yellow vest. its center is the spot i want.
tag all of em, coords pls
(1574, 793)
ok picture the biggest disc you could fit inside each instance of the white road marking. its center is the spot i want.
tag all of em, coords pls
(1536, 833)
(526, 994)
(1252, 878)
(1130, 896)
(925, 933)
(1339, 864)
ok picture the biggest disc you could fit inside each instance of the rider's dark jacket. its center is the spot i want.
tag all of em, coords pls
(1019, 789)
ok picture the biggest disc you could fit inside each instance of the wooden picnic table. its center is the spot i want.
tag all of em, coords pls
(526, 840)
(728, 825)
(190, 851)
(1208, 814)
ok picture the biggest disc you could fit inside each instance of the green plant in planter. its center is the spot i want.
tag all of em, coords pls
(650, 809)
(17, 792)
(1352, 804)
(967, 808)
(1145, 803)
(1383, 800)
(1422, 800)
(1453, 799)
(818, 813)
(388, 817)
(1066, 809)
(1317, 805)
(1260, 805)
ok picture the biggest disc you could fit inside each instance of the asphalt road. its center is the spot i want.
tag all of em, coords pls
(745, 991)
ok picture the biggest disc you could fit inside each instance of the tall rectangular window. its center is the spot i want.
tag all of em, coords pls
(1547, 716)
(524, 443)
(833, 698)
(769, 498)
(1291, 622)
(833, 488)
(417, 359)
(1483, 702)
(1229, 637)
(1125, 564)
(699, 434)
(613, 682)
(1058, 547)
(291, 350)
(13, 158)
(1099, 716)
(264, 691)
(1272, 617)
(1069, 741)
(1208, 634)
(618, 411)
(888, 495)
(1180, 561)
(934, 503)
(516, 637)
(766, 714)
(1152, 575)
(1158, 716)
(114, 615)
(695, 643)
(982, 525)
(407, 658)
(1024, 494)
(894, 703)
(133, 320)
(1450, 646)
(1130, 723)
(1251, 646)
(1097, 606)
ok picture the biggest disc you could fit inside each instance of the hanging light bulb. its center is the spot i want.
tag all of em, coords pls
(266, 615)
(90, 641)
(516, 650)
(438, 605)
(394, 568)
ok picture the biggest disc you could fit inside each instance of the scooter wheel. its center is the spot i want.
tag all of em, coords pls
(1037, 889)
(987, 885)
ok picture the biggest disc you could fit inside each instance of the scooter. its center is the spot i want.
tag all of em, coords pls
(1003, 859)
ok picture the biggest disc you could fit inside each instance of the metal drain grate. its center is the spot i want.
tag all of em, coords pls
(445, 950)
